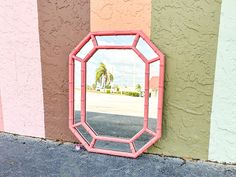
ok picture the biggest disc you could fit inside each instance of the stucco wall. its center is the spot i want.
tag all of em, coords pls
(121, 15)
(20, 68)
(62, 25)
(223, 120)
(186, 31)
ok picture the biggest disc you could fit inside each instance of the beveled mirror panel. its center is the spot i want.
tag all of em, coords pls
(153, 94)
(115, 40)
(116, 92)
(85, 49)
(145, 49)
(77, 91)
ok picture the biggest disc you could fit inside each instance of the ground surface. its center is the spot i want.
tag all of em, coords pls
(116, 115)
(22, 157)
(116, 104)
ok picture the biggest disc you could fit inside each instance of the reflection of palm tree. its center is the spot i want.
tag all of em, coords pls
(138, 88)
(103, 76)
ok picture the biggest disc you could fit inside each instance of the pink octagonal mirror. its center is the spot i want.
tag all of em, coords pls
(116, 93)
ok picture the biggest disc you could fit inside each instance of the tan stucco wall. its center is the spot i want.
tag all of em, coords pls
(62, 25)
(186, 31)
(121, 15)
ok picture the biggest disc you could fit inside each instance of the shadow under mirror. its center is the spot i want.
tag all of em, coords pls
(114, 100)
(153, 95)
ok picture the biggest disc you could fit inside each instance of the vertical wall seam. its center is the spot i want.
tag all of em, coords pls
(1, 114)
(212, 100)
(41, 73)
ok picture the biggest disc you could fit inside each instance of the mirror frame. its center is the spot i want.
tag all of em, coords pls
(73, 126)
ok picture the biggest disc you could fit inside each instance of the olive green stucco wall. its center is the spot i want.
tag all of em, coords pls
(186, 31)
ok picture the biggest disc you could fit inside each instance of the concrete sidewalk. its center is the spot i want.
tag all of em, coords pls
(32, 157)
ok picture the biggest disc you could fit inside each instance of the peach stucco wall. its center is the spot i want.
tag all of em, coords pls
(20, 69)
(121, 15)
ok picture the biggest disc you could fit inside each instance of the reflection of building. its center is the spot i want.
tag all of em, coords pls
(153, 85)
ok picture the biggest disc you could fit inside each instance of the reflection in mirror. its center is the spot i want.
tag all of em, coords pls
(115, 91)
(145, 49)
(81, 130)
(115, 84)
(153, 94)
(125, 40)
(142, 140)
(112, 145)
(77, 90)
(85, 50)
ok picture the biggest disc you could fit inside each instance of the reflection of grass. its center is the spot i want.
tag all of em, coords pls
(134, 94)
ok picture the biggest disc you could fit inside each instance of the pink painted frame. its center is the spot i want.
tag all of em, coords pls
(73, 126)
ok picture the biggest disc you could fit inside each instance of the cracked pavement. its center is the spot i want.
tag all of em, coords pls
(35, 157)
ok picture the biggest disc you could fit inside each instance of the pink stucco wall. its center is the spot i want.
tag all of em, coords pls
(20, 69)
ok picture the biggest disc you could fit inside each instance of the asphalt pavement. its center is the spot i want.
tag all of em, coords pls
(34, 157)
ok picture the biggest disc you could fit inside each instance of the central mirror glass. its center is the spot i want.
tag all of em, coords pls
(115, 85)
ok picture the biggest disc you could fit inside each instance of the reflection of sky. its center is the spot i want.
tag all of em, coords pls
(77, 74)
(85, 50)
(115, 40)
(154, 69)
(145, 49)
(127, 68)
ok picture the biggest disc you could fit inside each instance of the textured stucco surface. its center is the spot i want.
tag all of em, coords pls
(62, 25)
(223, 119)
(121, 15)
(186, 31)
(20, 68)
